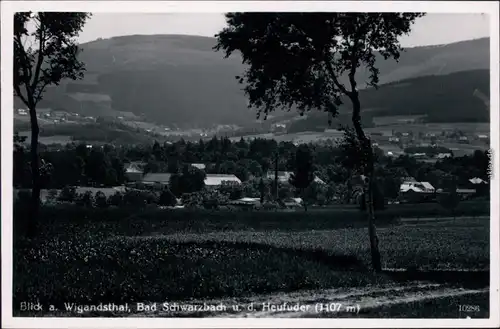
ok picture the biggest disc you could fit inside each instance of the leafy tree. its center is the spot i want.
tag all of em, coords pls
(167, 198)
(284, 192)
(51, 59)
(68, 194)
(85, 199)
(303, 175)
(301, 59)
(191, 180)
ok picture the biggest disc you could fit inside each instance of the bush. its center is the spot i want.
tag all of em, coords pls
(213, 199)
(86, 199)
(139, 198)
(192, 200)
(68, 194)
(101, 200)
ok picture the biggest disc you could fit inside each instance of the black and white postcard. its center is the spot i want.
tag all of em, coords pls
(250, 164)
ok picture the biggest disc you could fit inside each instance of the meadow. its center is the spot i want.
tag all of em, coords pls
(89, 256)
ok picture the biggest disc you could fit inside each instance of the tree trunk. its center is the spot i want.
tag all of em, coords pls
(35, 176)
(368, 171)
(276, 176)
(304, 203)
(349, 188)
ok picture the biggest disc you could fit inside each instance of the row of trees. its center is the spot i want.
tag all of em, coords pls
(105, 166)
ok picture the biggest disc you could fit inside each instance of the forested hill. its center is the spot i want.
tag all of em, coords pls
(443, 98)
(181, 79)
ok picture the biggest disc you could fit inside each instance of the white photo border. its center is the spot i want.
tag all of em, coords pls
(490, 8)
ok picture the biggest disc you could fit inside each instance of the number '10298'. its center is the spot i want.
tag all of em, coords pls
(468, 308)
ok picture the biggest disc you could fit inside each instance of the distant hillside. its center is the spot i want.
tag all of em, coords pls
(443, 98)
(180, 79)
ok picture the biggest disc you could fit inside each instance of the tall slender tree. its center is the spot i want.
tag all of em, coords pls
(303, 175)
(310, 60)
(45, 52)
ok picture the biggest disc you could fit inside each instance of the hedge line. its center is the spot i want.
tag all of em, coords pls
(134, 221)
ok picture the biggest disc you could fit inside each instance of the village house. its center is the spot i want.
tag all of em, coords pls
(419, 187)
(134, 171)
(413, 191)
(443, 155)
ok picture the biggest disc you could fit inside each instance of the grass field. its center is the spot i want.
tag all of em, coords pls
(89, 257)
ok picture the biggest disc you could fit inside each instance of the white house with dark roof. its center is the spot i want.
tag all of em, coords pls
(477, 181)
(200, 166)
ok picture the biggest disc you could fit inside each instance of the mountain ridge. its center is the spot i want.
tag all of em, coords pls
(178, 79)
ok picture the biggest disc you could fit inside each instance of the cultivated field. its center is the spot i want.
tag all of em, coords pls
(117, 255)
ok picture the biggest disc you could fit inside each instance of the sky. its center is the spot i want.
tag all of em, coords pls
(433, 29)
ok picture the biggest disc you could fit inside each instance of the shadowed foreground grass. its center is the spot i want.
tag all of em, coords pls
(84, 260)
(122, 270)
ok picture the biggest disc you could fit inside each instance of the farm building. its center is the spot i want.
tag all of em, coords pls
(156, 178)
(416, 192)
(200, 166)
(419, 187)
(216, 180)
(443, 155)
(477, 181)
(108, 191)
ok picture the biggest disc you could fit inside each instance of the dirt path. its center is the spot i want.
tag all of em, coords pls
(326, 303)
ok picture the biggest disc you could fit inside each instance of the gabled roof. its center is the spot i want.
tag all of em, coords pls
(133, 169)
(201, 166)
(217, 179)
(477, 180)
(420, 187)
(157, 178)
(427, 185)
